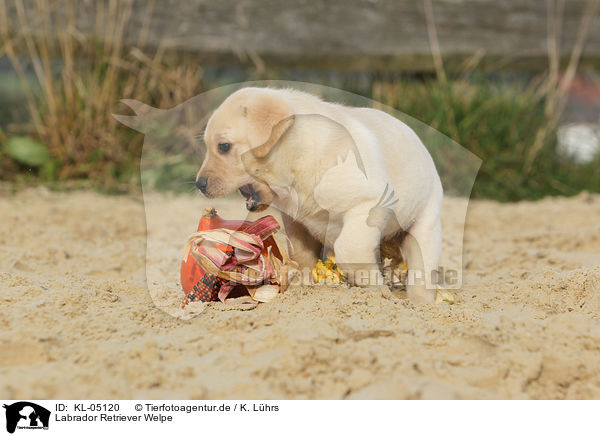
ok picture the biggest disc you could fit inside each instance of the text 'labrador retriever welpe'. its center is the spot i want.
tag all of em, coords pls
(354, 179)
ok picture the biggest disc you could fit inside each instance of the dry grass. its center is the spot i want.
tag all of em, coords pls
(557, 83)
(80, 76)
(80, 79)
(512, 127)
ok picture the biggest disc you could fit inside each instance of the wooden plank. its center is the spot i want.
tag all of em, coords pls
(372, 35)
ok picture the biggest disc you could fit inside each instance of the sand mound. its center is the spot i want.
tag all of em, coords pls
(78, 321)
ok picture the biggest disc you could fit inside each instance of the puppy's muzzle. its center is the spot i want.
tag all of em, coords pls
(252, 197)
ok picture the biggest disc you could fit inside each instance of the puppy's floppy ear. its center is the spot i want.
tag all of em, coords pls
(276, 132)
(268, 118)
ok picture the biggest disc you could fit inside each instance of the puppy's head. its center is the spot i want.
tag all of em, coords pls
(249, 120)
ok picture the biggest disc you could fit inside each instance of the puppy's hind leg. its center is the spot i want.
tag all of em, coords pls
(422, 248)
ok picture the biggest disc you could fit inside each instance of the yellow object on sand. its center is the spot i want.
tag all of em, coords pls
(327, 271)
(444, 296)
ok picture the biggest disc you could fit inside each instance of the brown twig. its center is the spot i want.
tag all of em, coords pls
(557, 89)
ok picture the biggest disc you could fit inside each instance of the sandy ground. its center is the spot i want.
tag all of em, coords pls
(77, 320)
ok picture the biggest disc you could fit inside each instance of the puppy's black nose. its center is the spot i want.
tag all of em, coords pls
(201, 184)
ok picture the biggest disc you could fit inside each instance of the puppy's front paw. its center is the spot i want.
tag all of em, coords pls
(386, 293)
(363, 275)
(421, 295)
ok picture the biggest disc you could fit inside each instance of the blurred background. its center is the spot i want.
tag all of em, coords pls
(515, 82)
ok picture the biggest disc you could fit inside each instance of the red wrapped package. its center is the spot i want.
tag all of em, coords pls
(232, 256)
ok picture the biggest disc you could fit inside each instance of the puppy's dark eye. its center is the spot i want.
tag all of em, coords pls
(224, 147)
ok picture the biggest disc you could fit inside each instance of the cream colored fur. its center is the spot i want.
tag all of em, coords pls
(349, 178)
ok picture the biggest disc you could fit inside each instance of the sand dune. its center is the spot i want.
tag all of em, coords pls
(78, 320)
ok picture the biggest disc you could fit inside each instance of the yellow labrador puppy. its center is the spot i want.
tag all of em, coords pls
(354, 179)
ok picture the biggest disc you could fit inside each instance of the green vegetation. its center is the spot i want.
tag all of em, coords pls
(500, 123)
(72, 85)
(70, 133)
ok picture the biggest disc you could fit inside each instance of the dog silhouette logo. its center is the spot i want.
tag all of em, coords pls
(26, 415)
(339, 173)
